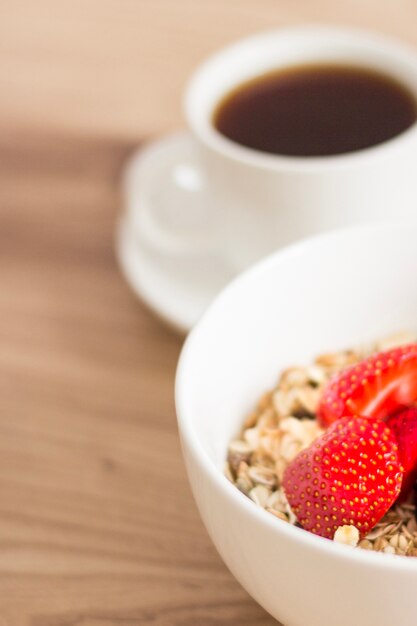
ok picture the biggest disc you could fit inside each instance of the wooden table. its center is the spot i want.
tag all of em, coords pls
(97, 523)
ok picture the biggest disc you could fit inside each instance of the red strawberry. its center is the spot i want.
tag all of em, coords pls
(403, 424)
(375, 387)
(350, 475)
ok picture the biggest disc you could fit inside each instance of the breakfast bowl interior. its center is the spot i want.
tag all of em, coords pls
(329, 293)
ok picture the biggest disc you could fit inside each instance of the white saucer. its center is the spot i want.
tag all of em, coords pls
(177, 296)
(176, 284)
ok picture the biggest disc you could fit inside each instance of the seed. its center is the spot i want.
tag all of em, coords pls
(238, 451)
(243, 485)
(260, 495)
(251, 437)
(395, 541)
(278, 514)
(316, 374)
(412, 525)
(281, 403)
(380, 544)
(309, 398)
(294, 377)
(262, 476)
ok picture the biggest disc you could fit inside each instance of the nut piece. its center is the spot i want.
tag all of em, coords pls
(349, 535)
(238, 451)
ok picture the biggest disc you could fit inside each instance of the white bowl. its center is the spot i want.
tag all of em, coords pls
(326, 293)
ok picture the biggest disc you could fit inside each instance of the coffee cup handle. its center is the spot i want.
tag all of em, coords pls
(167, 198)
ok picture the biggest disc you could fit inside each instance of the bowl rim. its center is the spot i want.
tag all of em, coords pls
(191, 440)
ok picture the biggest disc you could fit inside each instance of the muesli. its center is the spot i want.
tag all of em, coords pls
(338, 440)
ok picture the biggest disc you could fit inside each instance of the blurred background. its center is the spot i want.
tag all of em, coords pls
(117, 69)
(97, 524)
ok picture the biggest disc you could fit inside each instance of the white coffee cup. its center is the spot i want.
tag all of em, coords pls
(207, 203)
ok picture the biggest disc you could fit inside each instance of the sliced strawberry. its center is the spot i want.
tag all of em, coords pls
(375, 387)
(403, 424)
(351, 475)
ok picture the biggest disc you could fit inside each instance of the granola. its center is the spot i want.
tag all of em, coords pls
(284, 423)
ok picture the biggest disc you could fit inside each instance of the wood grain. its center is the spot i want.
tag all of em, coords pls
(97, 523)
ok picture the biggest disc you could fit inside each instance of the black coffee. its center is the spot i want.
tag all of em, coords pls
(316, 110)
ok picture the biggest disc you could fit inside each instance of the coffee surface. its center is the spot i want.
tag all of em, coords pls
(316, 110)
